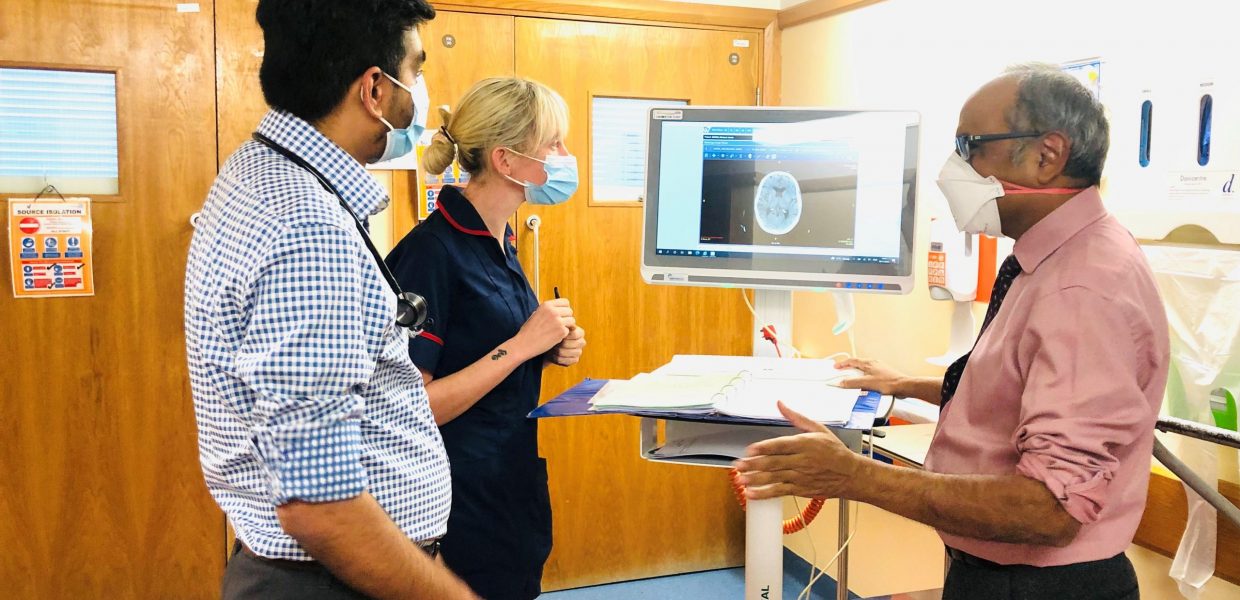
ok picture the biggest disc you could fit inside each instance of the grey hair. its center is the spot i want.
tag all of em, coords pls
(1050, 100)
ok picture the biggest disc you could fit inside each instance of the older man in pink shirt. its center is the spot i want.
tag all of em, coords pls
(1036, 478)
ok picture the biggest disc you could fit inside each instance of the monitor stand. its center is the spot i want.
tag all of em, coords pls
(764, 545)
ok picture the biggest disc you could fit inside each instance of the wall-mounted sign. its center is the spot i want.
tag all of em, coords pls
(50, 248)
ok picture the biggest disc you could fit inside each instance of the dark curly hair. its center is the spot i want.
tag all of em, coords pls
(316, 48)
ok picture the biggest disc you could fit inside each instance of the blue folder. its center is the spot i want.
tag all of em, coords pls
(575, 402)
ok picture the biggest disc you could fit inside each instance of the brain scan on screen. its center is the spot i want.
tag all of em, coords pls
(777, 203)
(796, 198)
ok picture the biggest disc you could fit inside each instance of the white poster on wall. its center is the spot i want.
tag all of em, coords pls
(618, 132)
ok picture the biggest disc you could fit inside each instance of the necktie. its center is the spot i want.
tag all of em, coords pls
(1003, 281)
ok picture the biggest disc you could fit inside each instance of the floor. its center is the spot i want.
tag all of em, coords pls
(723, 584)
(716, 585)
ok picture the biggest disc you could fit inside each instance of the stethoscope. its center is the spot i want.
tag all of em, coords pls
(410, 307)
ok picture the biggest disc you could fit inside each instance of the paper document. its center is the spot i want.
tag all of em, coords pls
(648, 391)
(728, 444)
(735, 393)
(816, 400)
(760, 367)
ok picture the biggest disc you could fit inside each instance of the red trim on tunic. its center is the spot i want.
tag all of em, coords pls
(458, 226)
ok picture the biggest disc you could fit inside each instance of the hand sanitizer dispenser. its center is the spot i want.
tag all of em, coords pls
(953, 269)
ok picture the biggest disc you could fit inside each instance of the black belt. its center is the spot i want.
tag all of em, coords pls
(973, 561)
(430, 547)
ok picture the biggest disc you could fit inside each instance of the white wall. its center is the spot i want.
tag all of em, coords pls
(930, 56)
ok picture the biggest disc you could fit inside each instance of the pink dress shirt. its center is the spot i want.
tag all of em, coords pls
(1065, 385)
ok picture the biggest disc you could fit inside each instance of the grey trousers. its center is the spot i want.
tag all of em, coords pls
(249, 577)
(1108, 579)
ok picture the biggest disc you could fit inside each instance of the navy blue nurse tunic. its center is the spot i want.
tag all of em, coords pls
(499, 530)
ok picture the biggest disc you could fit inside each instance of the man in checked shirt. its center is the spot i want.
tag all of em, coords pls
(315, 434)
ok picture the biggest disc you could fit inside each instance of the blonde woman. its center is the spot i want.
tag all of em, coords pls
(487, 338)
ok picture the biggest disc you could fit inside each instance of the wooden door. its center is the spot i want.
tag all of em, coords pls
(101, 495)
(239, 54)
(617, 517)
(461, 50)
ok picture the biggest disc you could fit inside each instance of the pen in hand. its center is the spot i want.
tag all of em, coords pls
(556, 290)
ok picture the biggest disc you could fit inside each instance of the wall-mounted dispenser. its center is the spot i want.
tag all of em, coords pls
(953, 276)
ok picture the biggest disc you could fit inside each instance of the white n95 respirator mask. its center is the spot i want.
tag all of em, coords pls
(971, 197)
(974, 200)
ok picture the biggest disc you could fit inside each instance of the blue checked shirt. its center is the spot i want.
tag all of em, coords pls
(303, 387)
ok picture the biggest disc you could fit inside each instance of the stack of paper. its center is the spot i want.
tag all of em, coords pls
(737, 386)
(816, 400)
(759, 367)
(677, 393)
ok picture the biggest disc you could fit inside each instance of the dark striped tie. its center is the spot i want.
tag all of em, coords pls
(1003, 281)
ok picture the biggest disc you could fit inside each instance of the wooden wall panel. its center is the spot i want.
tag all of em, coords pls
(616, 516)
(101, 494)
(711, 16)
(772, 67)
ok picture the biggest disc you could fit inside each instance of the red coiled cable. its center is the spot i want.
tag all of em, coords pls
(791, 525)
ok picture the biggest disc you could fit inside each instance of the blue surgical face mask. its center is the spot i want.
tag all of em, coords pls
(400, 141)
(561, 180)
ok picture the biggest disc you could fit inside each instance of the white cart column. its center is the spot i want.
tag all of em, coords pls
(764, 549)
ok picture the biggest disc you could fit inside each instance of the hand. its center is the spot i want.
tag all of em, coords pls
(568, 352)
(814, 464)
(547, 327)
(874, 376)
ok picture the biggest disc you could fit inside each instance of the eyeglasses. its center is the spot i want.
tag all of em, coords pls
(966, 143)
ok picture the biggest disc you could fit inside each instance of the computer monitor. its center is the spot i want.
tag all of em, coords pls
(781, 198)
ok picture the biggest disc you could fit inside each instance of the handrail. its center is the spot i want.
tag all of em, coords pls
(1186, 474)
(1199, 431)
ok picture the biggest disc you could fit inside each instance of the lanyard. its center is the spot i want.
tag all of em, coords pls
(410, 307)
